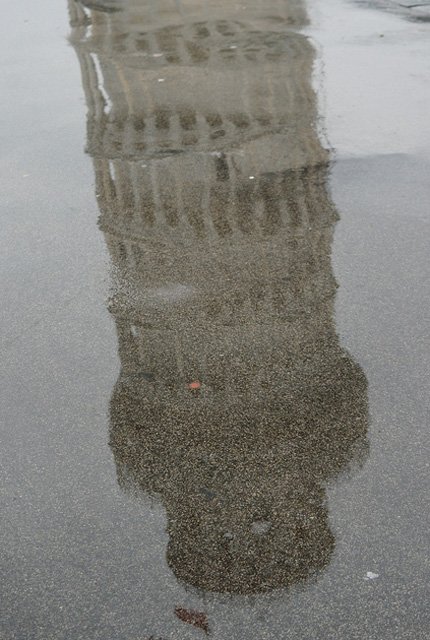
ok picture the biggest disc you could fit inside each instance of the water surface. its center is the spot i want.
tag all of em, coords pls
(216, 335)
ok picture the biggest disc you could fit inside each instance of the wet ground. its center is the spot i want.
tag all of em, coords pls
(215, 321)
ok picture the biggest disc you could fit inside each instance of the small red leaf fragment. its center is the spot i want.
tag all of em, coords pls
(195, 618)
(195, 385)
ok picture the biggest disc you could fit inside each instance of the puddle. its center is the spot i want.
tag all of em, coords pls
(246, 220)
(214, 377)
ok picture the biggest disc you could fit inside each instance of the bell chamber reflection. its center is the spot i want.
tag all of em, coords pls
(212, 187)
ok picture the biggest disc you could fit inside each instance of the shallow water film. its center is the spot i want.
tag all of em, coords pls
(215, 320)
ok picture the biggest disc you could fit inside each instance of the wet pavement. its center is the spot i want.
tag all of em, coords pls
(215, 321)
(415, 10)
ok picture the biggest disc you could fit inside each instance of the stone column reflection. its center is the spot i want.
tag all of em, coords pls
(212, 187)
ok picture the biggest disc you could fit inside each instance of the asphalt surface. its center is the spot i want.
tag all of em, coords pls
(215, 321)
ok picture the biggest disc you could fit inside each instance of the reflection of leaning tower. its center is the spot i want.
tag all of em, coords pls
(211, 183)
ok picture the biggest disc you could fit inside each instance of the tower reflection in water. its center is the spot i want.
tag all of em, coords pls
(212, 187)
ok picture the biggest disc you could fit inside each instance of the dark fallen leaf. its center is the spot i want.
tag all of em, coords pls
(195, 618)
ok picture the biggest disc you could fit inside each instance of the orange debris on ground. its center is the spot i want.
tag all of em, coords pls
(195, 385)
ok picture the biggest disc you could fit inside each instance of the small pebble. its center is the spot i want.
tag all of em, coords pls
(371, 576)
